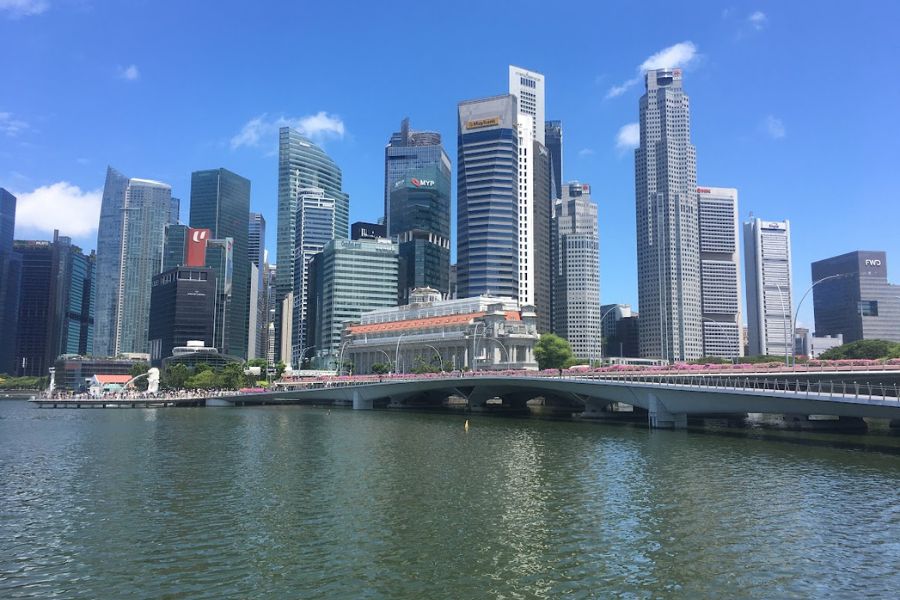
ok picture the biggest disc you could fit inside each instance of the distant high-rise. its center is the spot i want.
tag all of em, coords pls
(10, 275)
(301, 165)
(720, 272)
(347, 279)
(55, 312)
(220, 202)
(528, 88)
(860, 304)
(406, 151)
(767, 266)
(182, 303)
(668, 249)
(145, 215)
(316, 219)
(420, 223)
(487, 198)
(361, 230)
(257, 321)
(576, 273)
(553, 136)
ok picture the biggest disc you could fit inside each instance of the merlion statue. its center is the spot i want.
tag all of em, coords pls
(153, 380)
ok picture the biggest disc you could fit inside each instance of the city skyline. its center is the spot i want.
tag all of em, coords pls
(771, 153)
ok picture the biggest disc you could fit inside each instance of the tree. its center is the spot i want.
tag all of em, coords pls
(279, 369)
(138, 369)
(232, 376)
(257, 362)
(422, 367)
(204, 380)
(863, 349)
(552, 352)
(381, 368)
(175, 376)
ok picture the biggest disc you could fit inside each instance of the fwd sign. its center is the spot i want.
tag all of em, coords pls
(873, 262)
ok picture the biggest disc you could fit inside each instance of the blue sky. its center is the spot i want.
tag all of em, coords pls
(797, 108)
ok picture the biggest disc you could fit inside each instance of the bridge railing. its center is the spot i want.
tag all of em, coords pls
(864, 390)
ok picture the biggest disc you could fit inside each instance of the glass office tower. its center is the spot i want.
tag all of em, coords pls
(109, 261)
(220, 202)
(10, 274)
(420, 222)
(301, 164)
(407, 151)
(487, 244)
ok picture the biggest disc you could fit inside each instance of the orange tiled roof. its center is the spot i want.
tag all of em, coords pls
(427, 322)
(113, 378)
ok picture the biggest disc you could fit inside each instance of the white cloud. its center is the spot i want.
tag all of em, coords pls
(682, 54)
(129, 73)
(10, 125)
(23, 8)
(774, 127)
(60, 206)
(758, 20)
(585, 152)
(629, 137)
(318, 127)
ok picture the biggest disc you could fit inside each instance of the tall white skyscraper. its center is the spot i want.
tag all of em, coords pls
(528, 88)
(767, 265)
(720, 271)
(668, 248)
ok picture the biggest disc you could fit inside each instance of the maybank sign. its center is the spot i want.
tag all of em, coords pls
(481, 123)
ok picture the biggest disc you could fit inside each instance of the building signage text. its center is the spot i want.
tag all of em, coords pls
(479, 123)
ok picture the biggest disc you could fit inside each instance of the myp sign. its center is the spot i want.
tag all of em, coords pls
(415, 183)
(422, 182)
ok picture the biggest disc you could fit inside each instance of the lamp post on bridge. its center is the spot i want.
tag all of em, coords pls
(505, 349)
(475, 344)
(603, 316)
(797, 313)
(440, 359)
(397, 355)
(737, 336)
(787, 321)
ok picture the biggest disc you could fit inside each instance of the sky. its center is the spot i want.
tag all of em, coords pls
(797, 108)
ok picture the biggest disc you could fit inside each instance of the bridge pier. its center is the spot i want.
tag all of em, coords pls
(660, 417)
(360, 403)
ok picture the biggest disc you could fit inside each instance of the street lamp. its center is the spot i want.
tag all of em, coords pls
(340, 365)
(475, 345)
(797, 313)
(737, 339)
(436, 351)
(603, 316)
(387, 356)
(502, 346)
(397, 354)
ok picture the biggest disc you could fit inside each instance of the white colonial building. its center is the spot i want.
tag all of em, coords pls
(480, 333)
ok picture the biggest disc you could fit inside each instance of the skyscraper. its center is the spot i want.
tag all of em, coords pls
(109, 262)
(720, 272)
(668, 249)
(182, 303)
(301, 165)
(10, 275)
(767, 266)
(406, 151)
(258, 315)
(347, 279)
(220, 202)
(533, 193)
(420, 223)
(859, 303)
(316, 220)
(146, 213)
(576, 303)
(487, 198)
(553, 139)
(541, 241)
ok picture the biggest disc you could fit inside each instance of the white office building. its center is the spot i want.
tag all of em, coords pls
(720, 271)
(668, 246)
(767, 265)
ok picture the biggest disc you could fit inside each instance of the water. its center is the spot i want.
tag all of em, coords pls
(290, 502)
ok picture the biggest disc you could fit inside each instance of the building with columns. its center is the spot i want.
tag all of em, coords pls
(480, 333)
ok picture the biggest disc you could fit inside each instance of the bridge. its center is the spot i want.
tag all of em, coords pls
(668, 400)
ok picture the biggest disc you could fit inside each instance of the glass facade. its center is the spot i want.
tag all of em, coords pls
(553, 135)
(348, 279)
(146, 214)
(181, 309)
(487, 244)
(220, 201)
(109, 262)
(10, 275)
(420, 223)
(174, 246)
(302, 164)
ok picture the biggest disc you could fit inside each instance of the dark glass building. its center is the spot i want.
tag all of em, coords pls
(542, 209)
(861, 304)
(10, 275)
(553, 136)
(174, 246)
(487, 244)
(367, 231)
(220, 202)
(420, 223)
(182, 304)
(406, 151)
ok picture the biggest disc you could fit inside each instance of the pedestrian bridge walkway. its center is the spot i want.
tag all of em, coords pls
(667, 400)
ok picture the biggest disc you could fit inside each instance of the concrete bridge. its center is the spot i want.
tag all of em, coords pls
(668, 401)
